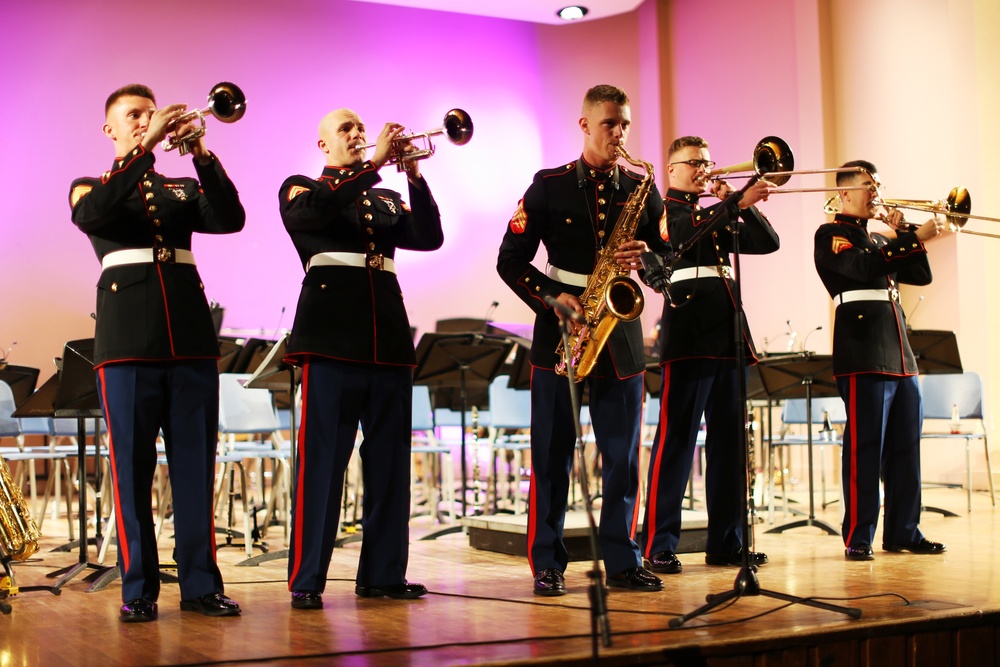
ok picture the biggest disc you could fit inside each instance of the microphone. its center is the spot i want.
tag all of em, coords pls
(912, 312)
(565, 310)
(655, 273)
(792, 335)
(489, 311)
(277, 329)
(805, 340)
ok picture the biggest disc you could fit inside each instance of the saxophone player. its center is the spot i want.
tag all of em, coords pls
(571, 210)
(698, 363)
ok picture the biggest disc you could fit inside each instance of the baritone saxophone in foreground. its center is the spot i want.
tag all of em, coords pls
(18, 531)
(610, 294)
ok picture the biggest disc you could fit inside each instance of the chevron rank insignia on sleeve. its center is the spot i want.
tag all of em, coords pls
(519, 222)
(840, 244)
(295, 191)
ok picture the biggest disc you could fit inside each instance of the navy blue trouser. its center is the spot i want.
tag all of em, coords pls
(885, 415)
(182, 398)
(692, 387)
(616, 413)
(336, 396)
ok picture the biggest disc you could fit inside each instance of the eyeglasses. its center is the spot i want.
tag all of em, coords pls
(708, 165)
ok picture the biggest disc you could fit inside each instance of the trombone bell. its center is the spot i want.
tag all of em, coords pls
(771, 154)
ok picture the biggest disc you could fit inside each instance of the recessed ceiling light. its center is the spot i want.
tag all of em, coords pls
(572, 13)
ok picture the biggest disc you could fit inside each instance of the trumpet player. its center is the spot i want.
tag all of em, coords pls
(698, 362)
(873, 364)
(356, 366)
(156, 346)
(571, 210)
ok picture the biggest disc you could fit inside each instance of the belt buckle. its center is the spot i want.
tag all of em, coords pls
(726, 271)
(894, 295)
(376, 262)
(165, 256)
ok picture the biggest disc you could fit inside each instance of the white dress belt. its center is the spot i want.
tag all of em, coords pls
(356, 259)
(865, 295)
(145, 256)
(690, 272)
(567, 277)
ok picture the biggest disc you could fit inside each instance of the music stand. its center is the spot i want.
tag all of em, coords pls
(21, 379)
(803, 376)
(229, 350)
(270, 374)
(76, 397)
(936, 351)
(461, 360)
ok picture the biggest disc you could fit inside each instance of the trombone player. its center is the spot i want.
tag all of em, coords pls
(356, 366)
(873, 364)
(155, 345)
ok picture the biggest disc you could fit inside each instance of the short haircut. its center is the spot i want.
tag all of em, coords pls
(136, 89)
(846, 177)
(604, 93)
(684, 142)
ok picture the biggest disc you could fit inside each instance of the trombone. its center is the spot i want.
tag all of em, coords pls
(225, 101)
(457, 125)
(773, 161)
(956, 208)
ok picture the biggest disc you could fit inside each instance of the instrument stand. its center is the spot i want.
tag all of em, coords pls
(746, 582)
(460, 359)
(596, 592)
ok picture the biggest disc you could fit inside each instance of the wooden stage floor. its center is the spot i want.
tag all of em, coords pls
(916, 610)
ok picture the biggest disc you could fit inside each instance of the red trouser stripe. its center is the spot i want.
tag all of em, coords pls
(300, 463)
(852, 490)
(532, 505)
(123, 553)
(654, 483)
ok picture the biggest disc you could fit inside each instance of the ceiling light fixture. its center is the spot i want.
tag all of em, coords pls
(572, 13)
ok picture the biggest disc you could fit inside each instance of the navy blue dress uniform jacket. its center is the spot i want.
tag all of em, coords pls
(352, 313)
(154, 311)
(869, 336)
(571, 216)
(700, 323)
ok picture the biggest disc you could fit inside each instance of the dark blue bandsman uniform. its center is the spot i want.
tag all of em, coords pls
(571, 210)
(155, 355)
(700, 376)
(876, 375)
(352, 338)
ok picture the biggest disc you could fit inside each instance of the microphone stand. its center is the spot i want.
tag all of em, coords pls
(599, 622)
(746, 582)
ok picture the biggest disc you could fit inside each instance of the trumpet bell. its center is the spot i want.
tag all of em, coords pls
(227, 102)
(458, 127)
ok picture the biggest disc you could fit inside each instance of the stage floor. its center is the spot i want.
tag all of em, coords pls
(481, 609)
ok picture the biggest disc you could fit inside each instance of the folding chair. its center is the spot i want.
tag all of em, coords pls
(510, 418)
(436, 479)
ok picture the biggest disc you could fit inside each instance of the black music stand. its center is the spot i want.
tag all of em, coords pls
(270, 374)
(229, 350)
(802, 376)
(21, 379)
(76, 397)
(936, 351)
(462, 360)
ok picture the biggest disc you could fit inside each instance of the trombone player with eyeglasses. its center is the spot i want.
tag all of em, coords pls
(698, 361)
(873, 364)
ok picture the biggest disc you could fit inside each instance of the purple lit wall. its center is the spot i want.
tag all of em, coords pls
(295, 60)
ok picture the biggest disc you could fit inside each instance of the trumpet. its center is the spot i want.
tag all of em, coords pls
(225, 101)
(457, 125)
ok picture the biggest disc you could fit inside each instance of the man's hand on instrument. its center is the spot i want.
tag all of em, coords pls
(629, 252)
(384, 143)
(160, 123)
(572, 303)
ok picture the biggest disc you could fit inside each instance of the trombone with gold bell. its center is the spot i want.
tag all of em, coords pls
(956, 208)
(457, 125)
(225, 101)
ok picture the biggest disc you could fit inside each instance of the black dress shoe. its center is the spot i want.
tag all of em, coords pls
(859, 552)
(664, 562)
(213, 604)
(550, 582)
(735, 558)
(138, 611)
(635, 579)
(403, 591)
(921, 546)
(306, 600)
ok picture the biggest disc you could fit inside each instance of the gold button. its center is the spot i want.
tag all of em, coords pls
(323, 286)
(569, 220)
(364, 193)
(600, 234)
(600, 216)
(149, 195)
(601, 201)
(600, 186)
(152, 209)
(336, 181)
(159, 238)
(343, 171)
(902, 249)
(135, 152)
(368, 216)
(201, 286)
(371, 246)
(688, 296)
(716, 247)
(114, 287)
(861, 317)
(350, 173)
(366, 203)
(889, 253)
(697, 217)
(156, 222)
(697, 207)
(538, 289)
(370, 230)
(148, 184)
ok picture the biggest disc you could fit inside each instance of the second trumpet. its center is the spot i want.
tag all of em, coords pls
(457, 125)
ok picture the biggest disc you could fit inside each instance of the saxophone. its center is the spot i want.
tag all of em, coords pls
(610, 294)
(18, 532)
